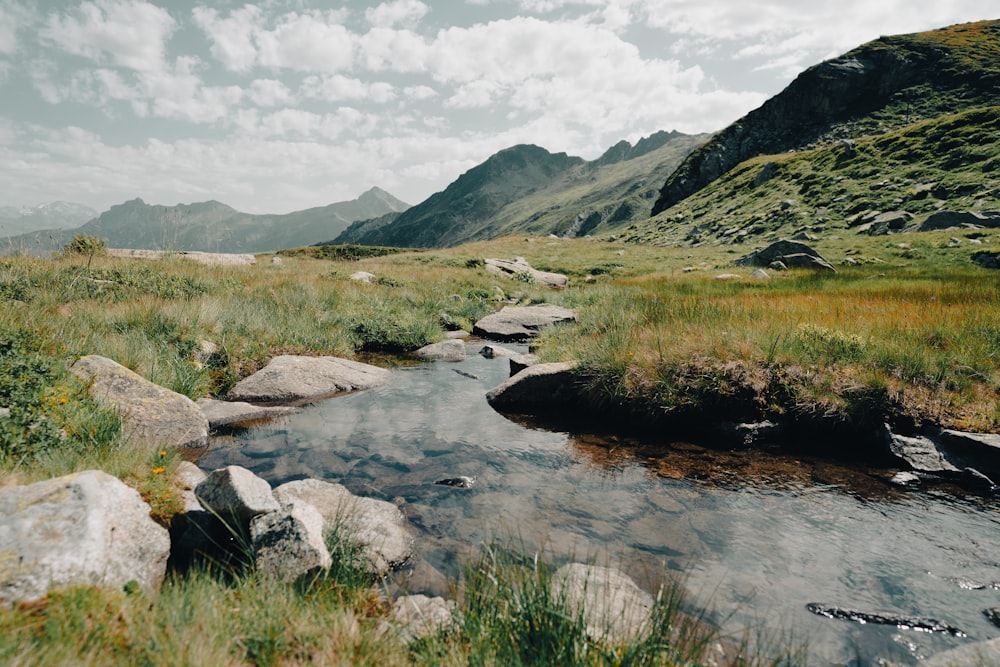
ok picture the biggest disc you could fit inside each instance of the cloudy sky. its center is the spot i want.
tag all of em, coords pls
(279, 105)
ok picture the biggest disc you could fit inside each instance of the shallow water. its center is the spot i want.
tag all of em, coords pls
(754, 537)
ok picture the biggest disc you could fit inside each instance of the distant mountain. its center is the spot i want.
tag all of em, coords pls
(215, 227)
(526, 189)
(55, 215)
(880, 86)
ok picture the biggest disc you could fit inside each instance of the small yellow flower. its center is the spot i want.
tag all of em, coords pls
(63, 399)
(158, 470)
(163, 452)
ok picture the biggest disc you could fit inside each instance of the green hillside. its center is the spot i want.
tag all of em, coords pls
(881, 86)
(951, 162)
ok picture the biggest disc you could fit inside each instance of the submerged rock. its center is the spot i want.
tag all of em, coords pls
(225, 413)
(446, 350)
(521, 323)
(87, 528)
(152, 416)
(614, 608)
(462, 481)
(900, 621)
(291, 378)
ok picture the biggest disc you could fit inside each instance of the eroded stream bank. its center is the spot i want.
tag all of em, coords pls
(753, 535)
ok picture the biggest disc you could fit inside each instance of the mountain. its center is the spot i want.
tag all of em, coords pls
(883, 85)
(215, 227)
(55, 215)
(526, 189)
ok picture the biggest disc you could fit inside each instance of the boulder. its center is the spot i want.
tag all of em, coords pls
(152, 416)
(416, 616)
(291, 378)
(521, 323)
(987, 260)
(760, 274)
(236, 492)
(186, 479)
(614, 608)
(446, 350)
(377, 526)
(887, 223)
(497, 351)
(539, 386)
(519, 267)
(363, 277)
(981, 449)
(87, 528)
(949, 219)
(521, 361)
(289, 543)
(920, 453)
(790, 253)
(225, 413)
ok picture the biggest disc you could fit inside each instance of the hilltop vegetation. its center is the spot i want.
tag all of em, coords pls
(883, 85)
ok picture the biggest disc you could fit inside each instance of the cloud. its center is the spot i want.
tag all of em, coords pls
(129, 33)
(337, 88)
(13, 18)
(389, 14)
(233, 37)
(269, 93)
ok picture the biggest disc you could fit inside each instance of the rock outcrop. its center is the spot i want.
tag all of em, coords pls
(88, 528)
(152, 416)
(521, 323)
(208, 258)
(948, 219)
(789, 253)
(519, 267)
(295, 379)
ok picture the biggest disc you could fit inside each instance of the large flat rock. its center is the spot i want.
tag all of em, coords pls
(295, 379)
(88, 528)
(225, 413)
(152, 416)
(521, 323)
(517, 267)
(536, 388)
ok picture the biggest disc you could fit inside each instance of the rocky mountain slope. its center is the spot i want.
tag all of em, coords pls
(215, 227)
(526, 189)
(883, 85)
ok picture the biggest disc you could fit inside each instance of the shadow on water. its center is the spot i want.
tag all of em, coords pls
(754, 535)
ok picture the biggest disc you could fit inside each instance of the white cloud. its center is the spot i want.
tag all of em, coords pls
(130, 33)
(269, 93)
(389, 14)
(397, 50)
(232, 37)
(12, 19)
(337, 88)
(310, 42)
(419, 92)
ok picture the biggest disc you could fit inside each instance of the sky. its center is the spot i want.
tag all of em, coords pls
(280, 105)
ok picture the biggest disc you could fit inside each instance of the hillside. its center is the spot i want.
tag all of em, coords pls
(215, 227)
(947, 163)
(880, 86)
(526, 189)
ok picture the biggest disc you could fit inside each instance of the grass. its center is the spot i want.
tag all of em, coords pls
(907, 335)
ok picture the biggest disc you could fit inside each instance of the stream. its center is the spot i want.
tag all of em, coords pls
(753, 537)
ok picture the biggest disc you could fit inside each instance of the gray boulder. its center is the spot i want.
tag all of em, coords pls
(377, 526)
(519, 362)
(987, 260)
(614, 608)
(790, 253)
(87, 528)
(520, 267)
(496, 351)
(416, 616)
(949, 219)
(289, 543)
(186, 479)
(520, 323)
(152, 416)
(446, 350)
(363, 277)
(291, 378)
(539, 386)
(226, 413)
(920, 453)
(887, 223)
(236, 492)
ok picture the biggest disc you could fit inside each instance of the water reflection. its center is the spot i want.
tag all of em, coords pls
(753, 535)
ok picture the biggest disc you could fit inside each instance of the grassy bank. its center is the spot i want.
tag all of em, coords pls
(908, 335)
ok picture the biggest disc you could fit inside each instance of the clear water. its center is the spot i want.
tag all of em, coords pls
(753, 537)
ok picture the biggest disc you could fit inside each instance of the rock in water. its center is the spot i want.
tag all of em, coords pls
(290, 378)
(87, 528)
(902, 622)
(462, 481)
(446, 350)
(614, 608)
(521, 323)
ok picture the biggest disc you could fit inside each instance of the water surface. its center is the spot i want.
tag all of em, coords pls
(753, 536)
